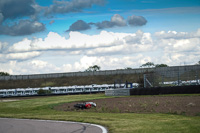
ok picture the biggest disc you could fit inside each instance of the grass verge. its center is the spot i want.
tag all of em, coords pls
(42, 108)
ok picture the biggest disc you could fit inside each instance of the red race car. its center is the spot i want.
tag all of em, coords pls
(85, 105)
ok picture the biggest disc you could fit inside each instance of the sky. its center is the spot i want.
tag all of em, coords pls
(55, 36)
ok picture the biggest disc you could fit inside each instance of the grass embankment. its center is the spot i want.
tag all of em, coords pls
(42, 108)
(68, 81)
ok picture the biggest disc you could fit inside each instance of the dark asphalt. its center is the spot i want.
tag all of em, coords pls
(8, 125)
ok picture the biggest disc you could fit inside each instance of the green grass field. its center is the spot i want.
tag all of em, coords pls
(42, 108)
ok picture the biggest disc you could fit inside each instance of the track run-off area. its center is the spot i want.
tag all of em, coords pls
(152, 114)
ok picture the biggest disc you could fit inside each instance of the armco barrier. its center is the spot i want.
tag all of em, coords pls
(167, 71)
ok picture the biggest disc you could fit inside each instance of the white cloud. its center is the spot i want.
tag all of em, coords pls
(129, 44)
(76, 41)
(3, 46)
(108, 49)
(177, 35)
(29, 67)
(171, 34)
(22, 56)
(111, 62)
(104, 43)
(85, 62)
(118, 20)
(106, 63)
(173, 41)
(175, 59)
(23, 45)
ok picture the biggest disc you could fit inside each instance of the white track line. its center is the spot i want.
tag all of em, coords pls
(104, 130)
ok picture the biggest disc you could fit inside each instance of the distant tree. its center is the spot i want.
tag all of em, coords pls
(198, 63)
(148, 64)
(161, 65)
(4, 74)
(128, 68)
(43, 92)
(93, 68)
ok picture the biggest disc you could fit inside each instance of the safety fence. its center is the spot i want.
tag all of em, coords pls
(179, 76)
(165, 71)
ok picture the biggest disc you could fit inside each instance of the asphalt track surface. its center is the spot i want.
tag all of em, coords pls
(8, 125)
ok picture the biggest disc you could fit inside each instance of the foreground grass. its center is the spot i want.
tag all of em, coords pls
(42, 108)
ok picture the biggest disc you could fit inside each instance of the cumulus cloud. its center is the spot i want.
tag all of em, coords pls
(29, 67)
(34, 66)
(108, 49)
(107, 62)
(22, 56)
(24, 27)
(14, 9)
(109, 43)
(179, 47)
(137, 38)
(182, 45)
(104, 24)
(171, 34)
(79, 26)
(136, 20)
(19, 56)
(71, 6)
(3, 46)
(39, 66)
(180, 58)
(54, 41)
(130, 44)
(176, 35)
(29, 9)
(173, 41)
(116, 20)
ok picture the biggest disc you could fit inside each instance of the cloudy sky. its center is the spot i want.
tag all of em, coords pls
(53, 36)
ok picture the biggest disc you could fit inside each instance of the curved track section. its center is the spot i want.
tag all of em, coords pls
(8, 125)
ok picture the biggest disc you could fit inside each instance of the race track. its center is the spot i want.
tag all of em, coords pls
(8, 125)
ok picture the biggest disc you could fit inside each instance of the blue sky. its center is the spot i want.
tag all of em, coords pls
(161, 14)
(45, 36)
